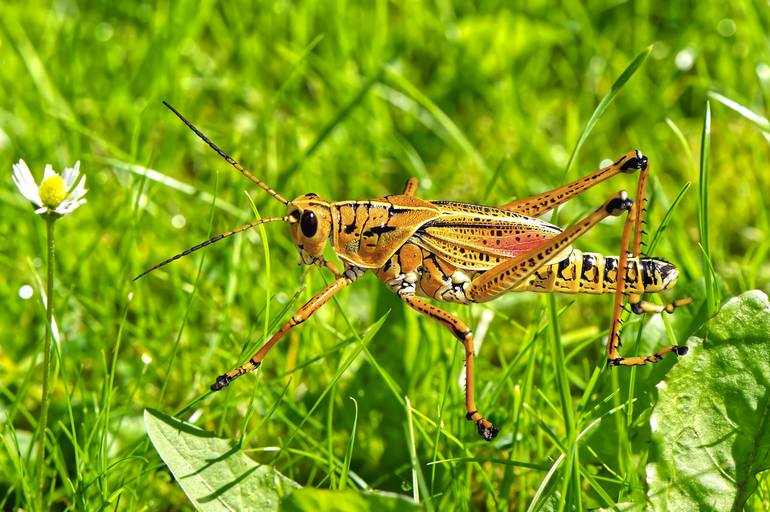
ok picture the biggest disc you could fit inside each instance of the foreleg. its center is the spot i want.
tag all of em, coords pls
(300, 316)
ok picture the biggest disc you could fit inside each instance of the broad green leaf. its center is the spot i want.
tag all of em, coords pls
(214, 473)
(314, 500)
(711, 425)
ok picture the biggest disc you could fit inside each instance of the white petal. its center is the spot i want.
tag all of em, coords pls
(29, 193)
(68, 206)
(79, 191)
(23, 175)
(48, 172)
(70, 175)
(21, 170)
(26, 183)
(42, 209)
(65, 208)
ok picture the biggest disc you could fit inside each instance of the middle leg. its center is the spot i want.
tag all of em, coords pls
(462, 332)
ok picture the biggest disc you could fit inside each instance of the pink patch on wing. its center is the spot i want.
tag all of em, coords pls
(510, 247)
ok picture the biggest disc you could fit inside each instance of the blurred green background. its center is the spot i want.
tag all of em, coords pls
(482, 101)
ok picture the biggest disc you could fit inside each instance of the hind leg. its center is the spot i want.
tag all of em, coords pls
(634, 222)
(542, 203)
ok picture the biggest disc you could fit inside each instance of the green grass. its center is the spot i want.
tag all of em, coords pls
(478, 101)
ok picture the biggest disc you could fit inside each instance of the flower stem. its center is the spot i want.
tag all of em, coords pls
(43, 423)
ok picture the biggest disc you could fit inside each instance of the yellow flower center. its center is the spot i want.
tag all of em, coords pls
(52, 191)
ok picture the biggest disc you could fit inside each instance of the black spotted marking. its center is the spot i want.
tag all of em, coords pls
(378, 230)
(589, 264)
(563, 265)
(433, 258)
(396, 210)
(665, 269)
(354, 206)
(649, 272)
(632, 271)
(610, 265)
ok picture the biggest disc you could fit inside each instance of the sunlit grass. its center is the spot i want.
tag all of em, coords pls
(479, 102)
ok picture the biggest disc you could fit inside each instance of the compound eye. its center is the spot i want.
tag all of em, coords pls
(308, 223)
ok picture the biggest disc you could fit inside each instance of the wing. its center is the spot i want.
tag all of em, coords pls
(480, 237)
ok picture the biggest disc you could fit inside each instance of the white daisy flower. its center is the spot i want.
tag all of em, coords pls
(57, 193)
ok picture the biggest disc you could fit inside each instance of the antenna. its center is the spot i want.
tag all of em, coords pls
(227, 157)
(211, 241)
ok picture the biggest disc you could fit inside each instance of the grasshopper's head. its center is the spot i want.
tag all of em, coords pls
(311, 225)
(309, 215)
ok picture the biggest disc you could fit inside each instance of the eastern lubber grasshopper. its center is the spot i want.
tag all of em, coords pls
(466, 253)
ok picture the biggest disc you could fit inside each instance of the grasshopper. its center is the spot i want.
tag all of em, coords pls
(466, 253)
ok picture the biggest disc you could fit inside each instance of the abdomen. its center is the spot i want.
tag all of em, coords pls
(585, 272)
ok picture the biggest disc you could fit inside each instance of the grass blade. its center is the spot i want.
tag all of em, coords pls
(681, 138)
(762, 122)
(446, 123)
(560, 369)
(349, 452)
(712, 293)
(624, 77)
(418, 479)
(667, 218)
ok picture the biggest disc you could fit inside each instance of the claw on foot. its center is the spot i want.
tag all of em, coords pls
(487, 431)
(222, 382)
(485, 428)
(679, 350)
